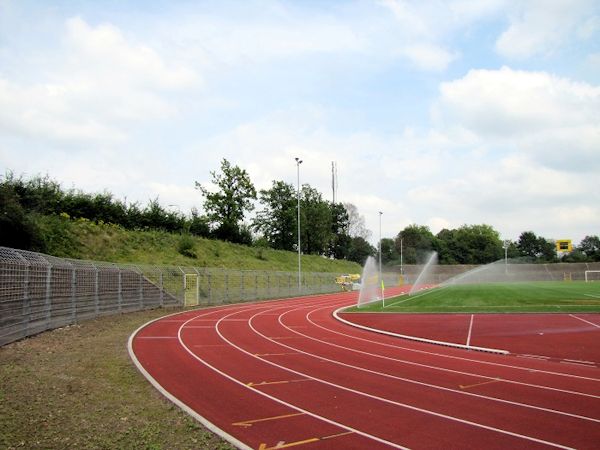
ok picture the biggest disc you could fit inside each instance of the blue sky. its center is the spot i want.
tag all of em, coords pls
(439, 113)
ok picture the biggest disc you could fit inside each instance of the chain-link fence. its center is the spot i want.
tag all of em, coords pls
(40, 292)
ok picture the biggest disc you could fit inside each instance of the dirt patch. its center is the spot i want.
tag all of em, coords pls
(76, 387)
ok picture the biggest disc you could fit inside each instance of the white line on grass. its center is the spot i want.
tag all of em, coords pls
(413, 297)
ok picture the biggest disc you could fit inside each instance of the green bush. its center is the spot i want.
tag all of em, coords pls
(186, 246)
(17, 228)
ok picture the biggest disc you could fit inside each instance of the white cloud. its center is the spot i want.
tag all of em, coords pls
(92, 84)
(110, 54)
(554, 119)
(425, 28)
(539, 27)
(435, 20)
(426, 56)
(514, 101)
(276, 34)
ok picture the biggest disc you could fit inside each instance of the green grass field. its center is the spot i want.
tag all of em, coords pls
(542, 296)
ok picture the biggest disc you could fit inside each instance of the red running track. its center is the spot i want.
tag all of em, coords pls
(570, 338)
(286, 374)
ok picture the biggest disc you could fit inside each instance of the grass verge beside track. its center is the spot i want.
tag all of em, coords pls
(76, 387)
(496, 298)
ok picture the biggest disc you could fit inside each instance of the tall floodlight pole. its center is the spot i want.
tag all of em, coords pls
(506, 245)
(380, 277)
(401, 268)
(298, 162)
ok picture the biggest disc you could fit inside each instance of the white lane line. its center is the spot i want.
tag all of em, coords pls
(528, 369)
(459, 358)
(580, 361)
(208, 424)
(592, 295)
(577, 363)
(470, 329)
(282, 402)
(533, 356)
(385, 400)
(416, 338)
(408, 380)
(583, 320)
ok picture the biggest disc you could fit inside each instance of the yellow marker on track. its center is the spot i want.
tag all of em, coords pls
(249, 423)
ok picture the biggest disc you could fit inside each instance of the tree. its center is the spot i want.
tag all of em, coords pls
(340, 240)
(226, 208)
(17, 228)
(535, 247)
(416, 241)
(528, 244)
(448, 247)
(360, 250)
(315, 221)
(481, 244)
(547, 249)
(277, 221)
(389, 254)
(155, 217)
(356, 223)
(198, 225)
(590, 245)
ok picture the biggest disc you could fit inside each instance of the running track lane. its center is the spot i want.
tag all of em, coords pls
(286, 374)
(572, 338)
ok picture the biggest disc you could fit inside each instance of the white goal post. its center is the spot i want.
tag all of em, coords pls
(589, 277)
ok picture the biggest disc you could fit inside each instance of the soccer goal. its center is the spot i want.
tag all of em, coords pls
(592, 275)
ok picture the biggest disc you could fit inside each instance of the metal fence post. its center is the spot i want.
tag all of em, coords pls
(141, 290)
(209, 289)
(120, 290)
(96, 290)
(48, 303)
(73, 295)
(242, 285)
(227, 286)
(162, 290)
(26, 301)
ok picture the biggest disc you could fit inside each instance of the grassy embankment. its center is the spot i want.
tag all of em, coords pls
(104, 242)
(544, 296)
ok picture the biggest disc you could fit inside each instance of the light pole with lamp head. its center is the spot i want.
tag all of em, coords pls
(380, 276)
(298, 162)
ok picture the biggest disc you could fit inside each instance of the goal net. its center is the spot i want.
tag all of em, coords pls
(592, 275)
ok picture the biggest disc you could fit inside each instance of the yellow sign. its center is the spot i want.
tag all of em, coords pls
(564, 245)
